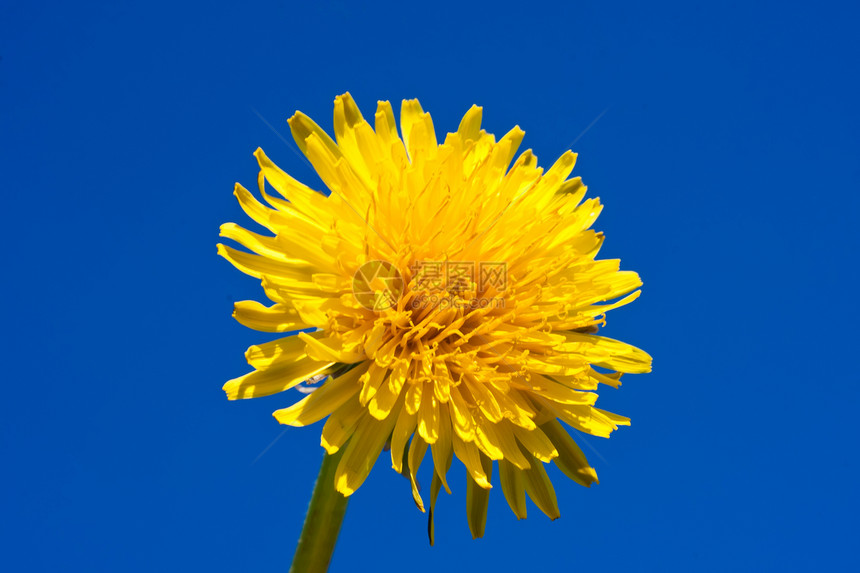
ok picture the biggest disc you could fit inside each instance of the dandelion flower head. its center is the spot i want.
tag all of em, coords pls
(447, 296)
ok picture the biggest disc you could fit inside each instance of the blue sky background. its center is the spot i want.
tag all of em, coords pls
(727, 158)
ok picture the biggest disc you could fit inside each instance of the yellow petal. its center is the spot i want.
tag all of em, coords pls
(269, 218)
(266, 246)
(470, 125)
(361, 453)
(477, 501)
(540, 490)
(276, 318)
(514, 487)
(417, 127)
(469, 454)
(608, 353)
(552, 390)
(413, 396)
(355, 137)
(287, 349)
(442, 449)
(487, 441)
(305, 199)
(302, 127)
(258, 266)
(323, 400)
(586, 418)
(536, 443)
(371, 381)
(277, 378)
(330, 348)
(503, 436)
(400, 437)
(386, 395)
(461, 417)
(511, 142)
(389, 142)
(340, 425)
(571, 461)
(428, 416)
(435, 487)
(417, 450)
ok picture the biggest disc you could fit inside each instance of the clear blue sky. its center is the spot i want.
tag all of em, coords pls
(727, 156)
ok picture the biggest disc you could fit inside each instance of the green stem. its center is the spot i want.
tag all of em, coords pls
(322, 523)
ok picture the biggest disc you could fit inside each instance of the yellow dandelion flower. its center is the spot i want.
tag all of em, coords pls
(449, 298)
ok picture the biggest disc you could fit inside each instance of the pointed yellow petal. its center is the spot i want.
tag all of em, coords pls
(282, 376)
(511, 142)
(464, 425)
(323, 400)
(428, 415)
(608, 353)
(435, 487)
(269, 218)
(400, 437)
(586, 418)
(361, 453)
(258, 266)
(442, 449)
(276, 318)
(330, 348)
(477, 501)
(371, 381)
(469, 454)
(417, 127)
(536, 443)
(303, 127)
(503, 435)
(346, 116)
(470, 125)
(540, 490)
(289, 348)
(413, 396)
(417, 450)
(487, 441)
(571, 461)
(383, 401)
(514, 487)
(304, 198)
(355, 137)
(341, 424)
